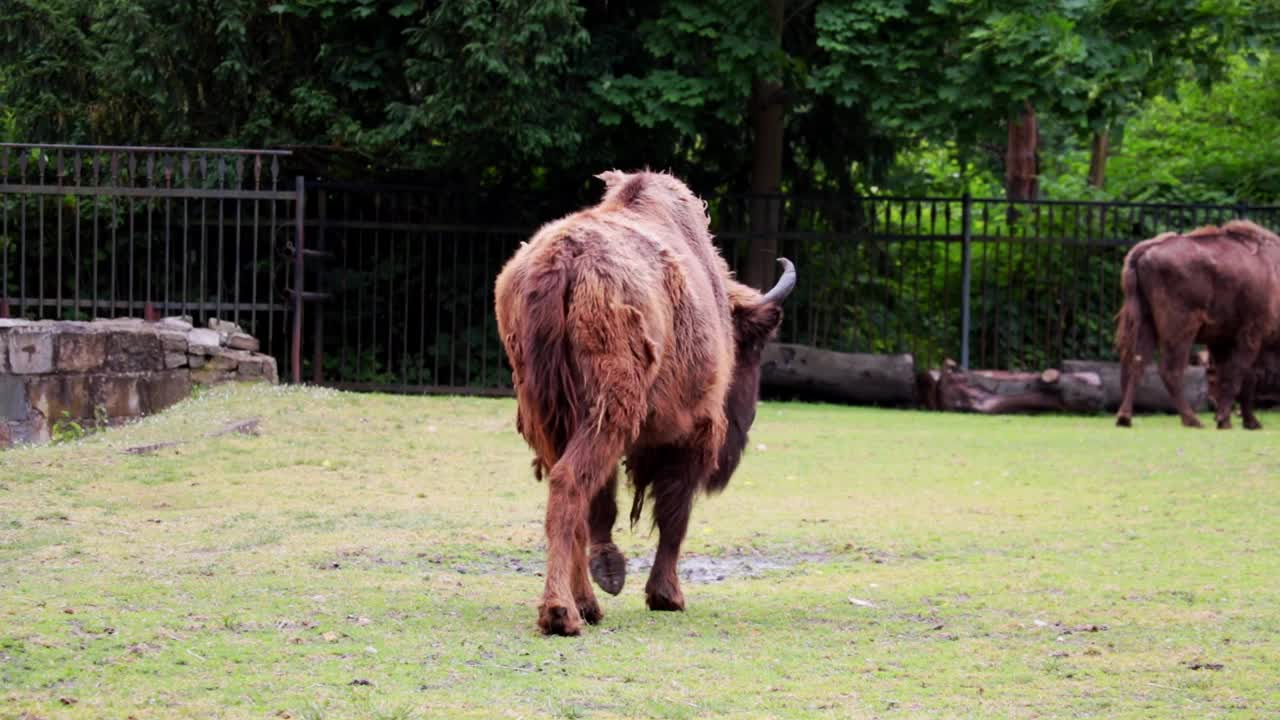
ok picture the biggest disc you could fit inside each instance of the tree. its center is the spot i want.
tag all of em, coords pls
(791, 96)
(1206, 145)
(983, 74)
(376, 85)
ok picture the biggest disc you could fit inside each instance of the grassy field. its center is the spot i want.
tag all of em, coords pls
(379, 557)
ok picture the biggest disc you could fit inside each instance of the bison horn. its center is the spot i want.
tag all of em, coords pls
(785, 285)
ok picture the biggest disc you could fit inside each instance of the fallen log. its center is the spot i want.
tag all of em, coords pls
(999, 392)
(1151, 395)
(859, 378)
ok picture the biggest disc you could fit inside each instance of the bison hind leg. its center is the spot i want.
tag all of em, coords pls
(608, 567)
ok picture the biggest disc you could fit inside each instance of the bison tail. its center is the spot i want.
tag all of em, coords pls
(547, 391)
(1134, 313)
(586, 361)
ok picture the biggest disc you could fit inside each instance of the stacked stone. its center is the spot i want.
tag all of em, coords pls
(117, 369)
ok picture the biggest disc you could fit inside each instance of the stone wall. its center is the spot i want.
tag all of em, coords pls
(113, 369)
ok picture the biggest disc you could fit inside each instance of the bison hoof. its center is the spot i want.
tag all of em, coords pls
(1194, 423)
(1252, 424)
(665, 601)
(1224, 424)
(559, 620)
(590, 610)
(608, 568)
(1124, 422)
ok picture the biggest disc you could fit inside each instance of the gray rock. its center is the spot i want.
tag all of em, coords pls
(241, 341)
(134, 351)
(30, 353)
(78, 352)
(53, 395)
(222, 327)
(203, 342)
(257, 366)
(13, 398)
(180, 323)
(225, 360)
(161, 390)
(173, 341)
(118, 394)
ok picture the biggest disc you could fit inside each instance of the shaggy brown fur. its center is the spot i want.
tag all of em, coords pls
(1215, 285)
(628, 338)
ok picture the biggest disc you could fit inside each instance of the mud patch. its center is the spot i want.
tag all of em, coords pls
(695, 568)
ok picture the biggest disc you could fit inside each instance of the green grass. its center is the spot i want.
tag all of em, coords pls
(376, 557)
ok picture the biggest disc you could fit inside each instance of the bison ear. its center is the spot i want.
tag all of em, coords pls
(611, 177)
(753, 325)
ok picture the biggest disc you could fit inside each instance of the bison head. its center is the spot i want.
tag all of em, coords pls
(756, 318)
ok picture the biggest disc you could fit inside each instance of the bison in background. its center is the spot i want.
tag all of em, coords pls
(1219, 286)
(627, 337)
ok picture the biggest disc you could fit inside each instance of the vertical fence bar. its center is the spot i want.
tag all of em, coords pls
(22, 235)
(253, 258)
(238, 268)
(4, 233)
(317, 357)
(186, 236)
(132, 166)
(203, 287)
(93, 280)
(40, 269)
(966, 272)
(300, 222)
(61, 260)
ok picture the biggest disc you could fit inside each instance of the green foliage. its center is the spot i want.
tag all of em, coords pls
(388, 80)
(704, 58)
(545, 93)
(955, 70)
(1215, 145)
(68, 429)
(486, 82)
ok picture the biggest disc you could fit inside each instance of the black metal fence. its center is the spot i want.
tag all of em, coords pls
(406, 273)
(989, 283)
(103, 231)
(409, 278)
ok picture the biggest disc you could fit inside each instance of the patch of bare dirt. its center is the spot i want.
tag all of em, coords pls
(696, 568)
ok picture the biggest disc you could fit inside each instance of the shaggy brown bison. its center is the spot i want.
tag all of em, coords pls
(1215, 285)
(627, 337)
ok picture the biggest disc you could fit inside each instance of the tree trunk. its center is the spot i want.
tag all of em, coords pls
(857, 378)
(1098, 159)
(1020, 156)
(766, 168)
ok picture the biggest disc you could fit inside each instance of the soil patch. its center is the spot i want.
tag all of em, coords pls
(696, 568)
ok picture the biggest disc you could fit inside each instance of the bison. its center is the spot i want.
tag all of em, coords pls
(1219, 286)
(628, 338)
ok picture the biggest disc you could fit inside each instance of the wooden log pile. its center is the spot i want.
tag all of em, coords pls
(1151, 395)
(802, 372)
(998, 392)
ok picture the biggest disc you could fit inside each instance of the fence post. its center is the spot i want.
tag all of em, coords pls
(966, 217)
(300, 217)
(317, 353)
